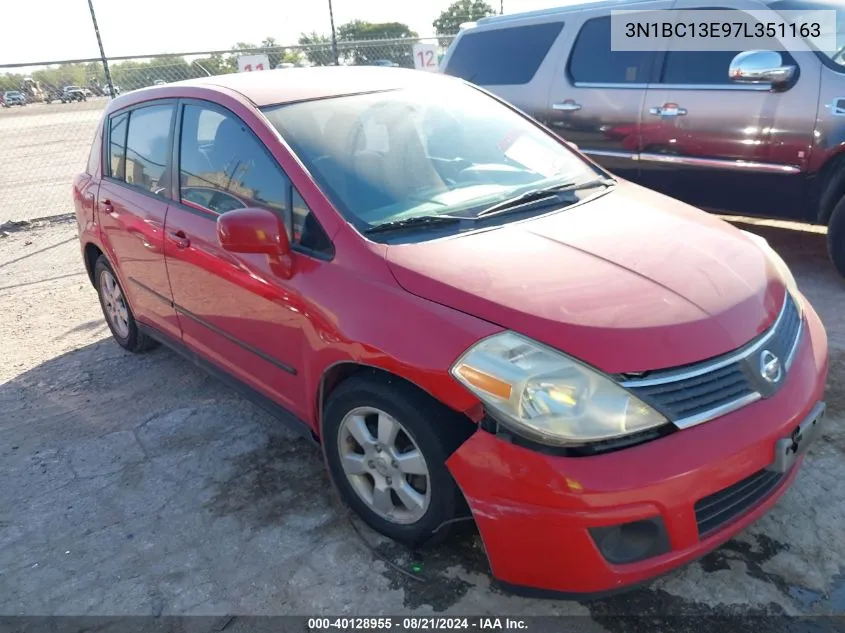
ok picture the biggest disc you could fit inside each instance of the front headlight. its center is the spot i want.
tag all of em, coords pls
(543, 394)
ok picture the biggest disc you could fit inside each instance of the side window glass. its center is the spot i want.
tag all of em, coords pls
(117, 146)
(710, 67)
(147, 148)
(593, 61)
(224, 167)
(307, 231)
(507, 56)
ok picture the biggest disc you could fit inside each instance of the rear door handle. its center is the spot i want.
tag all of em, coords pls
(667, 109)
(108, 207)
(179, 238)
(568, 105)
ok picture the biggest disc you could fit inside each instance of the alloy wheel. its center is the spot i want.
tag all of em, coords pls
(384, 465)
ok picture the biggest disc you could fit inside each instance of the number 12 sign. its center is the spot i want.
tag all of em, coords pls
(249, 63)
(425, 57)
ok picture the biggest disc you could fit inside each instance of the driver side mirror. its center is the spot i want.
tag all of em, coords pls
(760, 67)
(255, 230)
(573, 146)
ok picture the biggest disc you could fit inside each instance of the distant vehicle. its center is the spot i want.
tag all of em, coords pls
(755, 132)
(13, 97)
(383, 62)
(159, 82)
(32, 90)
(73, 93)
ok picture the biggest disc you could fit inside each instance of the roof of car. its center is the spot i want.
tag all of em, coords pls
(287, 85)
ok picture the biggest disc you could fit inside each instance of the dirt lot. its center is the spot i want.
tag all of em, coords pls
(137, 485)
(43, 147)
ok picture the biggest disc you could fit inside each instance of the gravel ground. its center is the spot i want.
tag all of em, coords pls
(138, 485)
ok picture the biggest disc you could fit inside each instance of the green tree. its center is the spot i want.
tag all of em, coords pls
(317, 48)
(274, 52)
(358, 45)
(215, 64)
(449, 22)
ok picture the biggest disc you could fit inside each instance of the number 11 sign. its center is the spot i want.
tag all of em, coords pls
(425, 57)
(251, 63)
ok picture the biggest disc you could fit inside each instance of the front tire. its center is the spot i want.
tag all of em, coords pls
(836, 237)
(116, 309)
(386, 445)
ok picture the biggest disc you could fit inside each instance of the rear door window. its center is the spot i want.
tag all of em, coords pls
(509, 56)
(148, 143)
(593, 61)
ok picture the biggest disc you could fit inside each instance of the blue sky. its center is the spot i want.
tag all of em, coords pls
(36, 30)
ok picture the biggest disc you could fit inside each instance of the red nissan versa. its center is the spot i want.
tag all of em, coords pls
(470, 317)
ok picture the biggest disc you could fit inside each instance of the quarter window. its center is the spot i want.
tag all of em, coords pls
(117, 146)
(593, 61)
(147, 148)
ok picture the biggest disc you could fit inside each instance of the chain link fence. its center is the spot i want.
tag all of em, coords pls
(50, 111)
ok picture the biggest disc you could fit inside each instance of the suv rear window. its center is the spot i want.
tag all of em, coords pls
(508, 56)
(593, 61)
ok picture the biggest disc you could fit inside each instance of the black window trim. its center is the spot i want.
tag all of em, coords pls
(210, 214)
(107, 144)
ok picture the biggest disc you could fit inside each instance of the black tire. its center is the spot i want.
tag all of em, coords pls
(836, 237)
(435, 429)
(134, 340)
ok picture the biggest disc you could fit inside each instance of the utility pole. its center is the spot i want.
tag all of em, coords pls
(334, 37)
(102, 52)
(501, 7)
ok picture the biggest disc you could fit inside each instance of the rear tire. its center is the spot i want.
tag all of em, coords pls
(399, 485)
(116, 309)
(836, 237)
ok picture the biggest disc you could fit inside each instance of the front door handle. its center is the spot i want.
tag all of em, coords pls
(179, 238)
(567, 105)
(667, 109)
(108, 207)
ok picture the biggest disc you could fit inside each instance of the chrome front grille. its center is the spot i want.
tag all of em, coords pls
(697, 393)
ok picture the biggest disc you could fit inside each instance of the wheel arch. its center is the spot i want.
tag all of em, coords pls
(91, 254)
(831, 187)
(337, 373)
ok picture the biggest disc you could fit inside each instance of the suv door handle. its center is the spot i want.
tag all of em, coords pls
(179, 238)
(108, 207)
(568, 105)
(667, 109)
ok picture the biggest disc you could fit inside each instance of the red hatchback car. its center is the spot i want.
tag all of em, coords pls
(469, 316)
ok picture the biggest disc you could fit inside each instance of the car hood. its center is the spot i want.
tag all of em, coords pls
(629, 281)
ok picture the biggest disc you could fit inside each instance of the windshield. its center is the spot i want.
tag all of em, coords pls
(388, 156)
(831, 57)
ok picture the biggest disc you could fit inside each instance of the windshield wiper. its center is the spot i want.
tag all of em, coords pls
(539, 195)
(416, 221)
